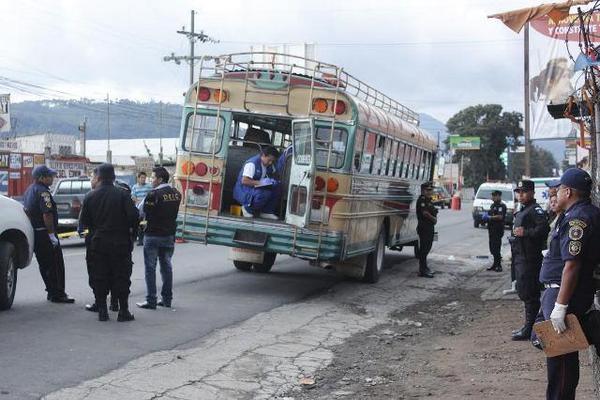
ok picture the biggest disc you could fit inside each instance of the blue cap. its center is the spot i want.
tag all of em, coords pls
(42, 170)
(575, 178)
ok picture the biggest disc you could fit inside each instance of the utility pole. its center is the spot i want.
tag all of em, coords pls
(108, 152)
(160, 128)
(83, 130)
(526, 113)
(192, 37)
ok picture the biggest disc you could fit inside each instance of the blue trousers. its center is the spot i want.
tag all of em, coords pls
(563, 371)
(262, 200)
(161, 247)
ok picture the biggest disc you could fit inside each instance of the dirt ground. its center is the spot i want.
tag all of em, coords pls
(454, 347)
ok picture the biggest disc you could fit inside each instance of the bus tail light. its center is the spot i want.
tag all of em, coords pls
(332, 185)
(201, 169)
(220, 96)
(203, 94)
(215, 171)
(320, 105)
(187, 168)
(319, 183)
(340, 107)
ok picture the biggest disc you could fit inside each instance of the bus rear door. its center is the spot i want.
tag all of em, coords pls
(302, 174)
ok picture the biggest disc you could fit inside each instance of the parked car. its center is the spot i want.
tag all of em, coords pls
(483, 201)
(16, 247)
(68, 194)
(441, 197)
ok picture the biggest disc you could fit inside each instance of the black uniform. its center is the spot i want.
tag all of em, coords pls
(495, 232)
(112, 218)
(39, 201)
(527, 259)
(425, 230)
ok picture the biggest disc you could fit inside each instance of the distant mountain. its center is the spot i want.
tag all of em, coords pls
(128, 119)
(434, 126)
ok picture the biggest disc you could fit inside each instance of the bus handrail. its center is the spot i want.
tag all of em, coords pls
(326, 74)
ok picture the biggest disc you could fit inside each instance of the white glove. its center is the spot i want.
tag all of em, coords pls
(53, 239)
(558, 317)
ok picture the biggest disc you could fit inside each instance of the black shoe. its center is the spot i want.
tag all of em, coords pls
(492, 268)
(124, 316)
(162, 303)
(426, 274)
(146, 305)
(522, 334)
(537, 344)
(102, 313)
(62, 299)
(498, 269)
(91, 307)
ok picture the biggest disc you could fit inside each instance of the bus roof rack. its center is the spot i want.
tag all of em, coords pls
(325, 74)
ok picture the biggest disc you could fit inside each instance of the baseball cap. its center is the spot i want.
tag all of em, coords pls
(426, 185)
(575, 178)
(525, 185)
(42, 170)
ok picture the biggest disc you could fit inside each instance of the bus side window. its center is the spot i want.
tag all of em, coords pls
(376, 168)
(427, 171)
(386, 156)
(418, 167)
(368, 153)
(393, 159)
(408, 160)
(401, 158)
(359, 142)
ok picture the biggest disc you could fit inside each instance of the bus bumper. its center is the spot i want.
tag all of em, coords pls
(278, 236)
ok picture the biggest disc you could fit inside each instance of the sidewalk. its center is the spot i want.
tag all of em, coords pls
(278, 351)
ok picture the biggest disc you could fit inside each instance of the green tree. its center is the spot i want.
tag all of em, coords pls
(542, 161)
(494, 127)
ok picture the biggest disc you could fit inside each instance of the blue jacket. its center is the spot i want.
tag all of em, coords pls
(38, 201)
(242, 193)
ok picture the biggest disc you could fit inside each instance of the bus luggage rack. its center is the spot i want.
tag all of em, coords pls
(328, 75)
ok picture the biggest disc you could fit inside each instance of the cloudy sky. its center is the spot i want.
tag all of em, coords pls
(435, 56)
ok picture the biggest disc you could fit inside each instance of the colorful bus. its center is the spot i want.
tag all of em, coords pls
(350, 179)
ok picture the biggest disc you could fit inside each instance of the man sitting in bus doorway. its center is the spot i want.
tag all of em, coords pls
(427, 218)
(256, 189)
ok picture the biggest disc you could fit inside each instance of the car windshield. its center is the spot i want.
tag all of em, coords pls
(487, 194)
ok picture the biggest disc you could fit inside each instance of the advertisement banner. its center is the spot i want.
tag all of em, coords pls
(67, 169)
(464, 142)
(9, 145)
(14, 161)
(4, 113)
(551, 73)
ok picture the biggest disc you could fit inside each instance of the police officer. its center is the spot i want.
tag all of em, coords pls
(41, 210)
(427, 218)
(495, 223)
(112, 219)
(528, 239)
(567, 272)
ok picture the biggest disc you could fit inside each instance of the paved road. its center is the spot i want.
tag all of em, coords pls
(47, 346)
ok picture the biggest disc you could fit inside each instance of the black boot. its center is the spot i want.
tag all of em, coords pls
(524, 333)
(91, 307)
(124, 314)
(102, 312)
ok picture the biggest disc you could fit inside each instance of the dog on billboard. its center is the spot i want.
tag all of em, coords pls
(553, 83)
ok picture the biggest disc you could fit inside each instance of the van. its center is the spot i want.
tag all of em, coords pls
(483, 201)
(542, 196)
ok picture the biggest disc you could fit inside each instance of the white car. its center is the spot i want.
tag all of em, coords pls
(16, 247)
(483, 201)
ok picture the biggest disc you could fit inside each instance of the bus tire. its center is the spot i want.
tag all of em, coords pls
(375, 261)
(8, 274)
(267, 263)
(242, 265)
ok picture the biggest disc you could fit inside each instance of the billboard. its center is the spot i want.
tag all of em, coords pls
(464, 142)
(4, 113)
(552, 78)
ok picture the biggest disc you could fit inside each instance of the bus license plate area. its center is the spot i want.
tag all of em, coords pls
(250, 238)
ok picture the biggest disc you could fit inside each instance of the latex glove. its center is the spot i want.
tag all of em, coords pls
(485, 217)
(558, 317)
(53, 239)
(267, 181)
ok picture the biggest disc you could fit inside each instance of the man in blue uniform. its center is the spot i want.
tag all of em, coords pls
(427, 218)
(567, 272)
(256, 189)
(528, 239)
(495, 224)
(41, 210)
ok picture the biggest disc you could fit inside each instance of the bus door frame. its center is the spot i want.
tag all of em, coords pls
(302, 175)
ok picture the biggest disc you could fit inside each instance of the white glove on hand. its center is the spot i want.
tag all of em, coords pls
(53, 239)
(558, 317)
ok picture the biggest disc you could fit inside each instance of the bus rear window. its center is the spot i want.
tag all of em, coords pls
(302, 149)
(200, 140)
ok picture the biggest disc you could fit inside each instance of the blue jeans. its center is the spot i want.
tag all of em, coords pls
(161, 247)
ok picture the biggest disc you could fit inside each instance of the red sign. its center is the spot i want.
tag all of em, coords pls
(569, 28)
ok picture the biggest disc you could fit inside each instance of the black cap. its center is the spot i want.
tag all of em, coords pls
(106, 171)
(42, 170)
(496, 193)
(575, 178)
(525, 186)
(426, 186)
